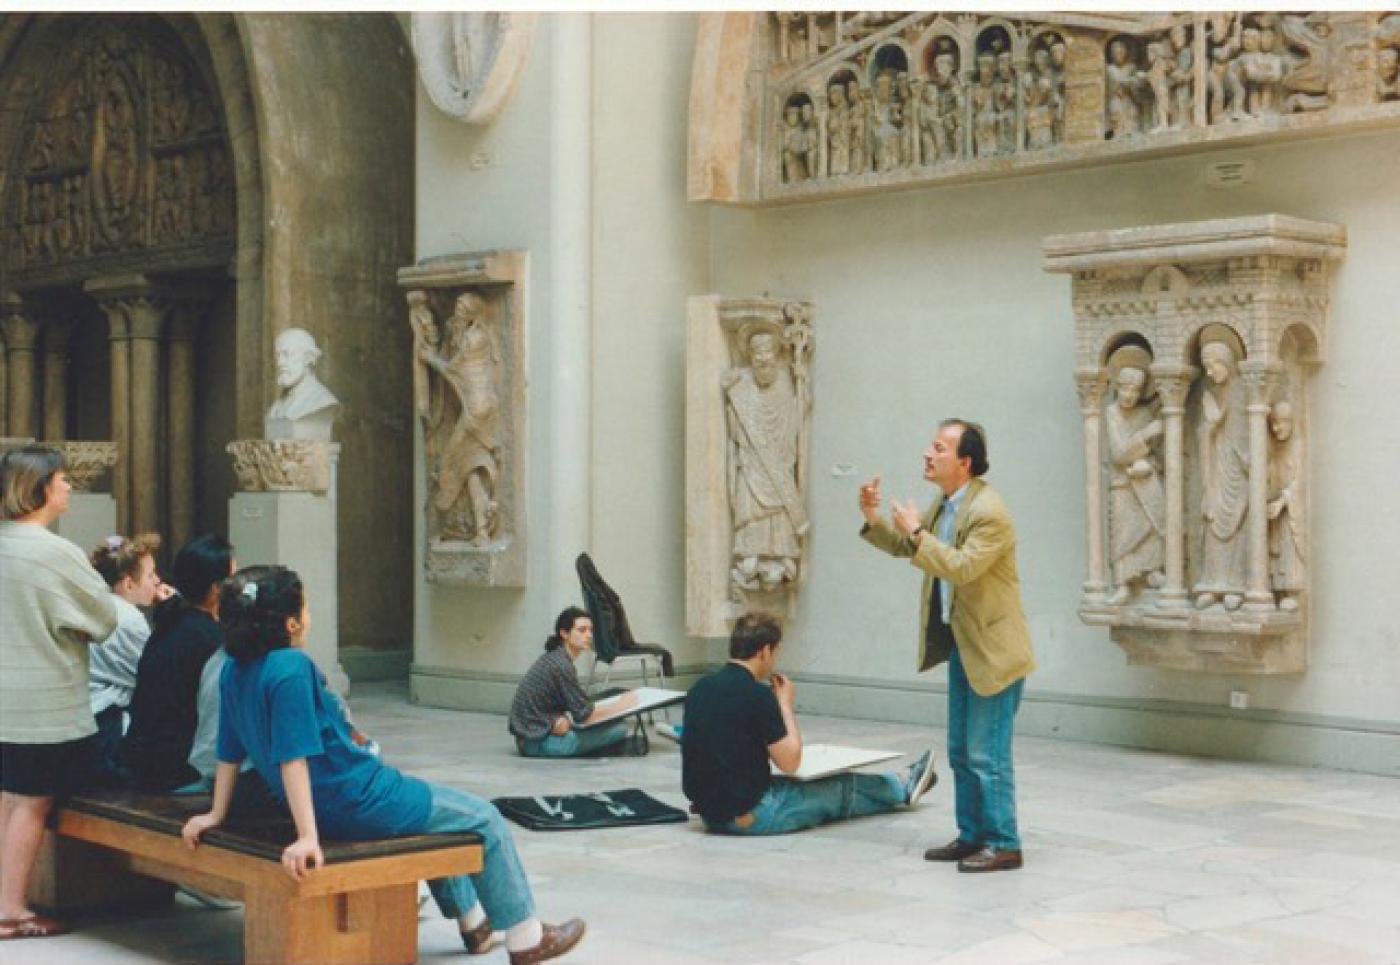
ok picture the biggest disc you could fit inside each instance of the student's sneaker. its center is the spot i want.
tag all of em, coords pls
(919, 778)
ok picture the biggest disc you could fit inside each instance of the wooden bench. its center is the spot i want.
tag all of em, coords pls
(360, 907)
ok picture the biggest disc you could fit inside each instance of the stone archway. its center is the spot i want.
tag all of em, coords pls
(315, 214)
(119, 216)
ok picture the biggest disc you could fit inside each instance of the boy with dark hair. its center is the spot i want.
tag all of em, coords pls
(734, 726)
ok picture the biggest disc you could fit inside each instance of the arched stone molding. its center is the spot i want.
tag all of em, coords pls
(1334, 72)
(324, 206)
(1195, 463)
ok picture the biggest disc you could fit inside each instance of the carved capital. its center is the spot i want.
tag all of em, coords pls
(85, 461)
(1091, 385)
(1260, 379)
(1172, 383)
(282, 465)
(19, 325)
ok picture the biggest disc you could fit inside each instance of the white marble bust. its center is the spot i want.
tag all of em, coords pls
(305, 408)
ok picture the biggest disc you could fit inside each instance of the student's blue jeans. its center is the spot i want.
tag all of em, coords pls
(574, 742)
(501, 884)
(979, 752)
(790, 805)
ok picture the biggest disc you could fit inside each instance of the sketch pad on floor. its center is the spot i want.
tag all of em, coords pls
(823, 760)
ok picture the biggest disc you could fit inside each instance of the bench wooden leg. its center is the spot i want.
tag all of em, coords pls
(374, 927)
(71, 876)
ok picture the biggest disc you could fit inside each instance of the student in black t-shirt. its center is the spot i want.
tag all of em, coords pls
(734, 726)
(165, 704)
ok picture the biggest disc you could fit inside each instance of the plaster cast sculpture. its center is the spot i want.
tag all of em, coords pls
(86, 461)
(944, 104)
(1125, 86)
(766, 402)
(838, 128)
(1388, 58)
(748, 418)
(462, 421)
(1287, 508)
(1043, 100)
(470, 62)
(282, 465)
(305, 408)
(1223, 448)
(926, 96)
(1194, 343)
(466, 313)
(1137, 502)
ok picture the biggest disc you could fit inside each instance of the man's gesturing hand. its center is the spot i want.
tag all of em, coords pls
(906, 517)
(870, 500)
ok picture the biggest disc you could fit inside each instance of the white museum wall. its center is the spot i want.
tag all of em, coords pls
(928, 303)
(933, 303)
(520, 183)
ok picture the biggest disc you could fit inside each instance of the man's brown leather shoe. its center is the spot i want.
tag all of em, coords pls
(480, 939)
(954, 850)
(557, 940)
(988, 860)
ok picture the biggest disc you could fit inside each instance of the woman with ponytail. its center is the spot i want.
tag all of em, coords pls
(276, 709)
(550, 703)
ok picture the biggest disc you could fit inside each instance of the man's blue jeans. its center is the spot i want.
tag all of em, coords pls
(573, 741)
(979, 752)
(501, 884)
(790, 805)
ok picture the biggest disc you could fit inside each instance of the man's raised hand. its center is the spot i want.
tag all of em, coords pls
(870, 500)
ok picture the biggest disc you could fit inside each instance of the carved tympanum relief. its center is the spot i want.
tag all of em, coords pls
(849, 101)
(748, 419)
(468, 381)
(1192, 377)
(126, 152)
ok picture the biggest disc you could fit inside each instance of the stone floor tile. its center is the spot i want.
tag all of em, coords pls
(1178, 860)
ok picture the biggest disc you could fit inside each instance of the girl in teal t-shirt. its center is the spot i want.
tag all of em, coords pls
(276, 709)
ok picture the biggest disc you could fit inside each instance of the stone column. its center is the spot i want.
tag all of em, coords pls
(146, 320)
(21, 343)
(106, 292)
(1173, 382)
(1259, 379)
(1091, 384)
(58, 331)
(135, 315)
(179, 406)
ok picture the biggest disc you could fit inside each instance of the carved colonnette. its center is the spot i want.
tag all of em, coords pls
(468, 315)
(748, 420)
(1194, 344)
(841, 102)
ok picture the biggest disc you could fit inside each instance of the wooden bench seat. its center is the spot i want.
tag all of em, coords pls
(360, 907)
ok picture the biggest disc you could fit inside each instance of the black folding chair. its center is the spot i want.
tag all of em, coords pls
(612, 636)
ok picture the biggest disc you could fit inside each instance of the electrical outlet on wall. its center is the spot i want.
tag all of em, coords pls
(1239, 700)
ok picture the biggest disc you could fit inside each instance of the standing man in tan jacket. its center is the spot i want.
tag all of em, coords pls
(971, 617)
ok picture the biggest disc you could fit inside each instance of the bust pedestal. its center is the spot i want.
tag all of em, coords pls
(285, 513)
